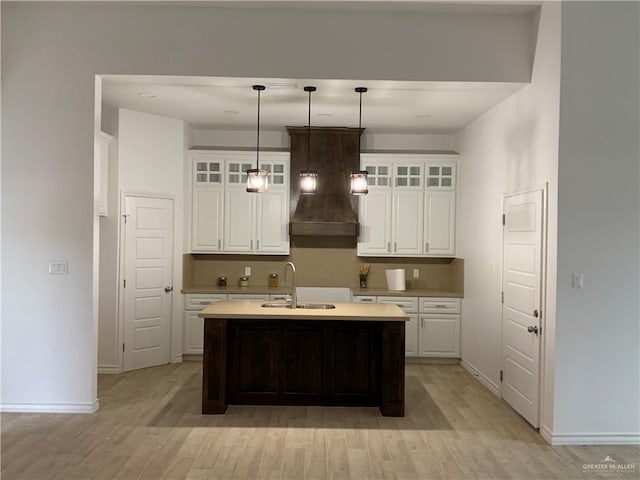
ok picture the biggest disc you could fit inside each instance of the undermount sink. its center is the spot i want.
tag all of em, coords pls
(317, 306)
(313, 306)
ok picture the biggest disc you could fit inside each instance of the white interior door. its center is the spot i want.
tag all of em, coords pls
(521, 309)
(147, 282)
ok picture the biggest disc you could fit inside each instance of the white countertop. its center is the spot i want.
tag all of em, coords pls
(343, 311)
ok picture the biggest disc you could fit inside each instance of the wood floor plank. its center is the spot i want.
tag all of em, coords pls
(149, 427)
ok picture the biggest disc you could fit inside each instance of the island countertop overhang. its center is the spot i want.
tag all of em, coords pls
(384, 312)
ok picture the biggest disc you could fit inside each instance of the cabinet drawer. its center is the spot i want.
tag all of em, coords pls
(248, 297)
(439, 305)
(279, 297)
(198, 302)
(408, 304)
(364, 299)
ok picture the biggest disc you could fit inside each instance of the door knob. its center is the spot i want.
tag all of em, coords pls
(168, 289)
(536, 313)
(532, 329)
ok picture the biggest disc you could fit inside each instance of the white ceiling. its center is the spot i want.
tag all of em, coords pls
(231, 104)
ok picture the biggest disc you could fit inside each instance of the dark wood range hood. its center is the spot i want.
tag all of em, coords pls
(332, 211)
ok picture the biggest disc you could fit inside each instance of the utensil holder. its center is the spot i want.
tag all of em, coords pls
(363, 281)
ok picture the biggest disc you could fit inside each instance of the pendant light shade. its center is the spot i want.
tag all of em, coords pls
(257, 179)
(308, 178)
(359, 182)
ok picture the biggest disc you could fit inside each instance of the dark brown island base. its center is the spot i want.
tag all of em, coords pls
(352, 355)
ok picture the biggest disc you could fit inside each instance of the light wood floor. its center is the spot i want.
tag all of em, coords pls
(149, 427)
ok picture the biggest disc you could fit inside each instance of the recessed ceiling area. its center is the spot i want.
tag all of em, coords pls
(226, 103)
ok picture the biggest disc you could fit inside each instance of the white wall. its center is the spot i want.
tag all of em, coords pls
(150, 156)
(51, 52)
(598, 328)
(512, 148)
(280, 139)
(108, 338)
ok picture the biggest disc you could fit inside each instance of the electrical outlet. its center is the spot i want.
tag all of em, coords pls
(577, 280)
(58, 267)
(416, 273)
(247, 271)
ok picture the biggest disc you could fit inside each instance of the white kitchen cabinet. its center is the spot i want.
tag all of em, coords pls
(433, 329)
(207, 200)
(440, 223)
(439, 327)
(193, 325)
(407, 223)
(257, 223)
(206, 215)
(439, 336)
(410, 306)
(410, 208)
(375, 227)
(225, 218)
(239, 229)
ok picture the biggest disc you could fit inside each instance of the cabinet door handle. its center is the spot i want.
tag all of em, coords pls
(440, 306)
(422, 323)
(251, 245)
(389, 247)
(426, 247)
(395, 247)
(219, 243)
(257, 244)
(367, 300)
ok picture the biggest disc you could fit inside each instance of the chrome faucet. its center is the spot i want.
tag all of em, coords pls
(294, 297)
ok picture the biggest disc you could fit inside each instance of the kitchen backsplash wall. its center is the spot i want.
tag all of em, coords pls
(321, 265)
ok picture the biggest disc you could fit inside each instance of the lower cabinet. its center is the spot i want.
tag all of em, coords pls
(439, 336)
(194, 326)
(433, 329)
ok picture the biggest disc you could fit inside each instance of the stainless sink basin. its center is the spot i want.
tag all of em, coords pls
(276, 305)
(314, 306)
(317, 306)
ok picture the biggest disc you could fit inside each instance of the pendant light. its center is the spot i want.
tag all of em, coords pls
(308, 178)
(359, 183)
(257, 180)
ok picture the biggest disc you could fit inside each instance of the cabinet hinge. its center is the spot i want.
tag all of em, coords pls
(502, 297)
(504, 219)
(500, 375)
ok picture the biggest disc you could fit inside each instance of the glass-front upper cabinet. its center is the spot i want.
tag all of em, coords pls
(378, 174)
(207, 170)
(408, 175)
(441, 176)
(237, 172)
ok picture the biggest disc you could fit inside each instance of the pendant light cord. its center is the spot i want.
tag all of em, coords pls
(309, 132)
(258, 136)
(360, 123)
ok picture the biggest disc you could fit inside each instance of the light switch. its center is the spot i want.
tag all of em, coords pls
(58, 267)
(247, 271)
(416, 273)
(577, 280)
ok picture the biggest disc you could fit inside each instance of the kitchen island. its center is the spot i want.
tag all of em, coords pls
(350, 355)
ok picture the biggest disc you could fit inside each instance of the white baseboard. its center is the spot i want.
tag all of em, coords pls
(482, 378)
(431, 361)
(178, 358)
(50, 407)
(594, 438)
(546, 434)
(109, 369)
